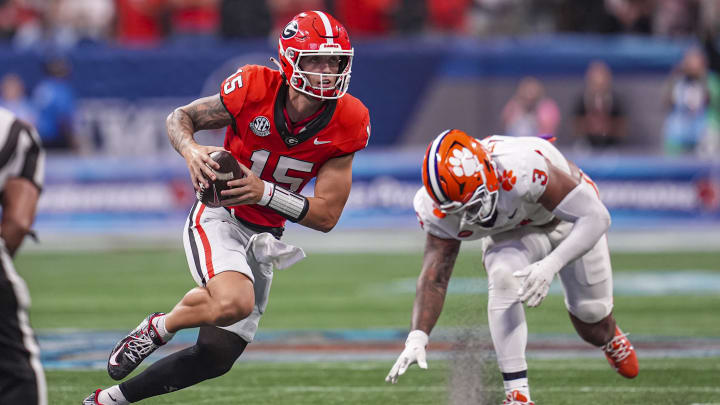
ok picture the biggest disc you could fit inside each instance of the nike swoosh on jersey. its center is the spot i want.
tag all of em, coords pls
(319, 142)
(513, 214)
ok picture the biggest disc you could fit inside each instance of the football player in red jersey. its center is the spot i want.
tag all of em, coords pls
(285, 127)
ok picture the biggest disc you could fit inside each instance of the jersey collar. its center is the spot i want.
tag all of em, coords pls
(316, 123)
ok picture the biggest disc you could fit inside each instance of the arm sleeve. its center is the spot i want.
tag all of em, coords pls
(590, 221)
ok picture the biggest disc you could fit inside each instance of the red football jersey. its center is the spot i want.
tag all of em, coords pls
(260, 139)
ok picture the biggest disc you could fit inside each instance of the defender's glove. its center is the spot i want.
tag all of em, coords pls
(538, 277)
(414, 353)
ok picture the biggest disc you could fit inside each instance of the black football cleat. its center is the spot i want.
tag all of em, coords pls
(129, 352)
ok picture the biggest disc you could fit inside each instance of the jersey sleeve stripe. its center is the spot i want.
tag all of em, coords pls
(432, 169)
(328, 28)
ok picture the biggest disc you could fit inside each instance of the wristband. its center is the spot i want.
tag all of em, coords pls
(292, 206)
(267, 194)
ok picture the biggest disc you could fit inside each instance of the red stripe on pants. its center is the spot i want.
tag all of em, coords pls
(205, 243)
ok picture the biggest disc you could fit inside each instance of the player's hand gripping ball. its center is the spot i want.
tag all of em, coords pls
(229, 170)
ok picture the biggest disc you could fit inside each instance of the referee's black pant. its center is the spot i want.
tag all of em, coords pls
(22, 381)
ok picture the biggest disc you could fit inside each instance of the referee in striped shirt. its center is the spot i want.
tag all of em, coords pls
(22, 162)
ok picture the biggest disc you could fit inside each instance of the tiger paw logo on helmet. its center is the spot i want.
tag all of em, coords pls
(464, 162)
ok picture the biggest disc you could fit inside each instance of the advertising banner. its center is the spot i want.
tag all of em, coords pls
(108, 195)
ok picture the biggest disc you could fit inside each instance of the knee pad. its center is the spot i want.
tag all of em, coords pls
(591, 311)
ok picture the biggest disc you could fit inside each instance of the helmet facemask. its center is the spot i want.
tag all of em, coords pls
(300, 79)
(478, 210)
(481, 207)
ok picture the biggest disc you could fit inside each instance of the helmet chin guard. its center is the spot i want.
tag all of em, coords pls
(309, 34)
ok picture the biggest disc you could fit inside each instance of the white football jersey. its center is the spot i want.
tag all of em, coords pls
(522, 172)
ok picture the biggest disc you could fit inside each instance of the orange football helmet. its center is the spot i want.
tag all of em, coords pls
(460, 177)
(315, 33)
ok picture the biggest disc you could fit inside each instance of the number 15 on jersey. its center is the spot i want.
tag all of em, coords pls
(234, 83)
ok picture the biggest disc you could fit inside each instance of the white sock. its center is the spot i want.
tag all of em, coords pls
(159, 324)
(112, 396)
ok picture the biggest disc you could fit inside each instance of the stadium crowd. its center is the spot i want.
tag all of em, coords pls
(133, 22)
(599, 116)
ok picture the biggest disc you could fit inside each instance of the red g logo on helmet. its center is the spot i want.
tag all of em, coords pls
(459, 176)
(315, 33)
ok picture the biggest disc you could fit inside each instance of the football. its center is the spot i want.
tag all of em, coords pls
(229, 170)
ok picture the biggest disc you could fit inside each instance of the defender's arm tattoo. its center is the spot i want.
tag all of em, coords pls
(438, 263)
(204, 113)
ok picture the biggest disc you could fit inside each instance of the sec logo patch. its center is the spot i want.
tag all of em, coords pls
(260, 126)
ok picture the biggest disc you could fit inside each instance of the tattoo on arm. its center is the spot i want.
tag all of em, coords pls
(204, 113)
(438, 263)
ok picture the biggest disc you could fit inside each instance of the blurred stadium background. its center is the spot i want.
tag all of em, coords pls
(98, 78)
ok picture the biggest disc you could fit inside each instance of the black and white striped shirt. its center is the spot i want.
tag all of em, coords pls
(21, 151)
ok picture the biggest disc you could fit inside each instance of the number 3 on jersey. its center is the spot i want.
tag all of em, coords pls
(234, 83)
(260, 158)
(540, 175)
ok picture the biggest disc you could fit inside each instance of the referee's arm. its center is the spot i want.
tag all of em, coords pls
(19, 201)
(20, 194)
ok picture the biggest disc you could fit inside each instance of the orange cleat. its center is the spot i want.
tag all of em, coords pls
(516, 397)
(621, 355)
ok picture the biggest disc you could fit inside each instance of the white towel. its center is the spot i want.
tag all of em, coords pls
(268, 250)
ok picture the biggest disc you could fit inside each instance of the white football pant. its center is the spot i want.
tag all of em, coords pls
(587, 285)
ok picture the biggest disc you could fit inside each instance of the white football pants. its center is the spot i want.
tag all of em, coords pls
(587, 285)
(215, 241)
